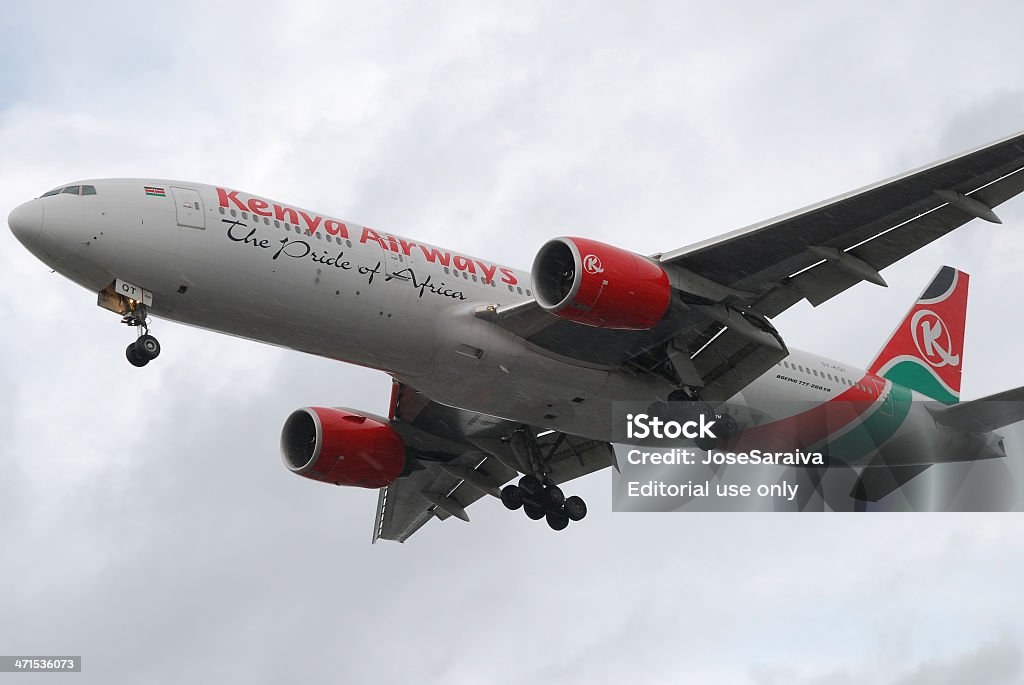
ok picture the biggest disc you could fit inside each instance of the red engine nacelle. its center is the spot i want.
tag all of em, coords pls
(341, 447)
(600, 285)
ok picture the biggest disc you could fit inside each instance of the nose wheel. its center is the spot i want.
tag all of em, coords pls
(143, 351)
(146, 348)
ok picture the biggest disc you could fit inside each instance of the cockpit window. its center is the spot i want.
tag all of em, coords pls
(72, 190)
(88, 190)
(55, 191)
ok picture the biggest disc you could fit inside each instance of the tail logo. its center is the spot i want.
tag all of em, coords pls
(592, 264)
(931, 336)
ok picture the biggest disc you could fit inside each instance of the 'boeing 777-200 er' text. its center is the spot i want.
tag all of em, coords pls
(499, 373)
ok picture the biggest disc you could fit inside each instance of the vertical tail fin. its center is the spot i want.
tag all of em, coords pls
(925, 353)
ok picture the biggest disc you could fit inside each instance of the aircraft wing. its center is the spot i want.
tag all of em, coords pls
(984, 414)
(791, 257)
(716, 335)
(462, 456)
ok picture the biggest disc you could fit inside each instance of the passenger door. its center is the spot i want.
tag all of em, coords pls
(189, 207)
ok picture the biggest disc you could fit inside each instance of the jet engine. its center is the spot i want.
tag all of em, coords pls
(600, 285)
(341, 447)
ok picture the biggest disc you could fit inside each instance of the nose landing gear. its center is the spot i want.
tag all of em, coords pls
(146, 348)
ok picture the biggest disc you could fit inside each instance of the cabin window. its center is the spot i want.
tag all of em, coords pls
(520, 290)
(446, 270)
(277, 224)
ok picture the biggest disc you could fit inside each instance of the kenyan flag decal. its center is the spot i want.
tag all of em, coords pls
(155, 192)
(926, 351)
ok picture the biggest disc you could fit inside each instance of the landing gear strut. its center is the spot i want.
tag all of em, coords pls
(146, 348)
(537, 493)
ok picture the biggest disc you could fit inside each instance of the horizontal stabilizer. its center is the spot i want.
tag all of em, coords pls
(983, 415)
(877, 482)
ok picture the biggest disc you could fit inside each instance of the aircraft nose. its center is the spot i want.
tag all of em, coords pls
(26, 221)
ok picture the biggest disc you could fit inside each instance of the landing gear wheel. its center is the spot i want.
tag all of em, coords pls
(535, 513)
(726, 427)
(558, 521)
(147, 347)
(699, 408)
(531, 486)
(553, 498)
(511, 497)
(575, 508)
(705, 443)
(660, 410)
(133, 357)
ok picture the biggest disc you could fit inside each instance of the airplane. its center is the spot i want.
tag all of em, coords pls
(500, 373)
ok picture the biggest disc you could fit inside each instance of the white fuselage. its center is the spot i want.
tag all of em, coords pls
(247, 266)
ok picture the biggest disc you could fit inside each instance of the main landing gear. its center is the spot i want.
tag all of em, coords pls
(146, 348)
(537, 493)
(541, 500)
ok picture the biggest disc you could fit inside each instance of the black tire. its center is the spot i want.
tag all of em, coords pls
(726, 427)
(699, 407)
(553, 498)
(659, 409)
(575, 508)
(511, 497)
(133, 357)
(147, 347)
(679, 396)
(531, 486)
(558, 521)
(705, 443)
(536, 513)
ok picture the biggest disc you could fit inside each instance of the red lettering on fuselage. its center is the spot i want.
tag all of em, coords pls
(311, 221)
(463, 264)
(223, 196)
(370, 234)
(435, 256)
(229, 199)
(336, 228)
(286, 214)
(258, 206)
(489, 271)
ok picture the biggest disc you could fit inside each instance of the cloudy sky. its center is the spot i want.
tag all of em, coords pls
(146, 520)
